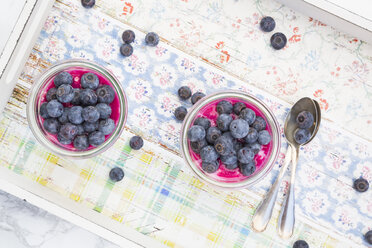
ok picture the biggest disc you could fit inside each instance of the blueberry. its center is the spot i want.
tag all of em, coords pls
(238, 107)
(51, 125)
(90, 114)
(106, 126)
(88, 3)
(44, 111)
(248, 168)
(76, 99)
(196, 133)
(62, 78)
(248, 115)
(259, 124)
(105, 94)
(252, 136)
(104, 110)
(51, 94)
(204, 122)
(237, 145)
(180, 113)
(223, 122)
(63, 119)
(300, 244)
(255, 147)
(68, 131)
(267, 24)
(196, 97)
(96, 138)
(63, 141)
(54, 108)
(184, 92)
(213, 133)
(151, 39)
(208, 154)
(301, 136)
(224, 107)
(81, 142)
(196, 146)
(88, 97)
(90, 127)
(210, 167)
(239, 128)
(264, 137)
(89, 81)
(361, 185)
(368, 237)
(81, 129)
(116, 174)
(136, 142)
(278, 41)
(223, 145)
(128, 36)
(65, 93)
(231, 166)
(245, 155)
(126, 50)
(230, 159)
(75, 115)
(305, 119)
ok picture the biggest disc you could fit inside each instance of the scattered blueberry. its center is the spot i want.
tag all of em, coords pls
(301, 136)
(76, 99)
(88, 97)
(259, 124)
(224, 107)
(208, 154)
(54, 108)
(267, 24)
(116, 174)
(210, 167)
(223, 122)
(90, 114)
(90, 127)
(223, 145)
(196, 133)
(196, 146)
(128, 36)
(81, 142)
(264, 137)
(105, 94)
(44, 111)
(248, 115)
(204, 122)
(278, 41)
(213, 133)
(245, 155)
(368, 237)
(96, 138)
(151, 39)
(89, 81)
(361, 185)
(247, 169)
(65, 93)
(136, 142)
(75, 115)
(300, 244)
(88, 3)
(305, 119)
(62, 78)
(104, 110)
(51, 125)
(184, 92)
(51, 94)
(238, 107)
(63, 141)
(63, 119)
(68, 131)
(81, 129)
(252, 136)
(196, 97)
(106, 126)
(239, 128)
(180, 113)
(255, 147)
(126, 50)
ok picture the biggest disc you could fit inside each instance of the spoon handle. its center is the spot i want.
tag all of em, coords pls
(286, 219)
(264, 210)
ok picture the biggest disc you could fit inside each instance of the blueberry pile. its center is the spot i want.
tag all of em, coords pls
(78, 116)
(128, 36)
(185, 93)
(235, 140)
(304, 120)
(277, 40)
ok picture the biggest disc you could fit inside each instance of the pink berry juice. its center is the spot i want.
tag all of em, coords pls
(222, 174)
(76, 73)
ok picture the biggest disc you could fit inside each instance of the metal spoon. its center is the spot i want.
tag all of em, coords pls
(286, 219)
(264, 211)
